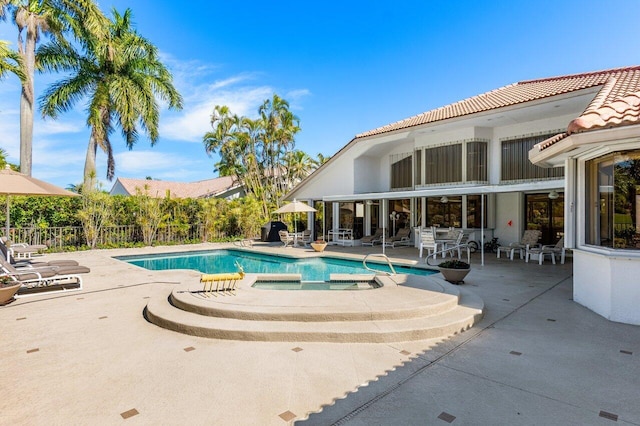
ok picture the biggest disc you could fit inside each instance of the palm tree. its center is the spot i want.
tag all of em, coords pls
(10, 61)
(35, 17)
(299, 166)
(121, 76)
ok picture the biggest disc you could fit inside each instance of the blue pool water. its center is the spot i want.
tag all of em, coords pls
(221, 261)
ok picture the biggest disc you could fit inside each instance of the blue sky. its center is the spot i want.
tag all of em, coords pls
(345, 67)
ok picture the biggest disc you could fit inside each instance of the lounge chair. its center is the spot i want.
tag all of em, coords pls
(371, 240)
(22, 250)
(402, 238)
(548, 250)
(529, 240)
(6, 254)
(286, 238)
(46, 278)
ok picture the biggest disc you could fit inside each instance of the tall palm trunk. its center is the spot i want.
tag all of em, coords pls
(90, 166)
(28, 53)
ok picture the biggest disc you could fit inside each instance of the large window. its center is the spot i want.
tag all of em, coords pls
(401, 171)
(399, 214)
(613, 201)
(443, 164)
(476, 162)
(474, 212)
(515, 160)
(418, 168)
(546, 215)
(444, 211)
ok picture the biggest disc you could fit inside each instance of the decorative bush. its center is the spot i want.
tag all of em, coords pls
(454, 264)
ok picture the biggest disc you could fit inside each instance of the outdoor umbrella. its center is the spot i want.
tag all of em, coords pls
(15, 183)
(295, 207)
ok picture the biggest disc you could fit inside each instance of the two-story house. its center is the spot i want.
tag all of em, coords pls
(465, 165)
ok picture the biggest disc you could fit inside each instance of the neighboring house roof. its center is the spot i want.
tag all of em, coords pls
(159, 188)
(626, 80)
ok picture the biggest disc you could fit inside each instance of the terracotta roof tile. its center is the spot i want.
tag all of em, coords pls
(620, 112)
(199, 189)
(627, 80)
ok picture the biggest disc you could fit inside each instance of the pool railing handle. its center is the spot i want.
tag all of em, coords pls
(364, 263)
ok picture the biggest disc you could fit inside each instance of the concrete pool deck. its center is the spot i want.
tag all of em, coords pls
(535, 358)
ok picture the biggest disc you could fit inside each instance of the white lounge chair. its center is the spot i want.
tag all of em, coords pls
(371, 240)
(402, 238)
(45, 278)
(529, 240)
(21, 250)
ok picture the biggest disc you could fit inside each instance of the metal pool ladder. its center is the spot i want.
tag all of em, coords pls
(364, 263)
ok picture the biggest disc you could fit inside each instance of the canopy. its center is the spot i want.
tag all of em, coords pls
(295, 207)
(15, 183)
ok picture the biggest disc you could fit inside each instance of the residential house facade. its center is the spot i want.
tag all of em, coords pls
(600, 151)
(464, 165)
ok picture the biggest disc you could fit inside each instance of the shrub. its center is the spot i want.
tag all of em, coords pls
(454, 264)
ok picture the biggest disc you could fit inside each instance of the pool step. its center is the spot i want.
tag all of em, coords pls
(448, 323)
(395, 313)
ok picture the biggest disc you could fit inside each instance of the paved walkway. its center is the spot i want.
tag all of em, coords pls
(536, 358)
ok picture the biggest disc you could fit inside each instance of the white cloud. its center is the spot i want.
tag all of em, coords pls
(51, 127)
(194, 120)
(141, 162)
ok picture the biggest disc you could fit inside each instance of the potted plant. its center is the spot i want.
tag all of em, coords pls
(454, 270)
(8, 288)
(319, 245)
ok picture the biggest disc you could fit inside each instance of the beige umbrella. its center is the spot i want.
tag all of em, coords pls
(15, 183)
(295, 207)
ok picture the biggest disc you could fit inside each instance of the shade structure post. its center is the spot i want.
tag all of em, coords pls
(482, 229)
(8, 224)
(384, 224)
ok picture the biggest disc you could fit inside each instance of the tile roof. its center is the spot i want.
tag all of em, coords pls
(627, 80)
(616, 104)
(200, 189)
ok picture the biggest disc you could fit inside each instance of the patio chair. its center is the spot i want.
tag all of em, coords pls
(457, 246)
(529, 239)
(286, 238)
(371, 240)
(306, 237)
(428, 241)
(402, 238)
(548, 250)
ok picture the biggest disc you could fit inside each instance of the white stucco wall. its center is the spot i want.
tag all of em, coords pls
(608, 285)
(509, 207)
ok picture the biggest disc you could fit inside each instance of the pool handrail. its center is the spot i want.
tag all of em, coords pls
(364, 263)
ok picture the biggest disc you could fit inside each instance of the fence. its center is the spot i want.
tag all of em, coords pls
(111, 236)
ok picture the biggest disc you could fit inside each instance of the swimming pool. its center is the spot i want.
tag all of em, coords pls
(223, 261)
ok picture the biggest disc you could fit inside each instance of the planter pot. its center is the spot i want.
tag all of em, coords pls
(319, 246)
(7, 293)
(454, 276)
